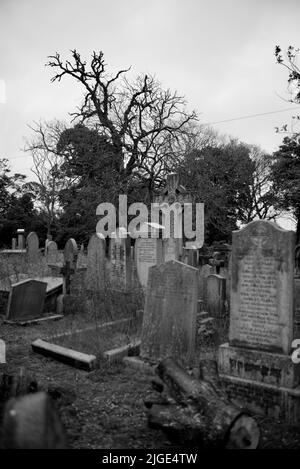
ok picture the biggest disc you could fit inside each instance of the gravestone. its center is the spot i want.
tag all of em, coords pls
(53, 256)
(174, 193)
(26, 300)
(21, 239)
(121, 263)
(32, 244)
(169, 322)
(203, 273)
(255, 366)
(95, 274)
(70, 261)
(261, 313)
(148, 252)
(216, 295)
(14, 244)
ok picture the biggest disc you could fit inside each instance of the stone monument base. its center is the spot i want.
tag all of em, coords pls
(262, 382)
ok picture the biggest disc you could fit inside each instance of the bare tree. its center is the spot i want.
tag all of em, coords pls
(47, 162)
(138, 117)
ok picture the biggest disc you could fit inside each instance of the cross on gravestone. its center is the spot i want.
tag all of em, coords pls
(175, 204)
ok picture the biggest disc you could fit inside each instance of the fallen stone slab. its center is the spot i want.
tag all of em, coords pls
(117, 354)
(65, 355)
(139, 364)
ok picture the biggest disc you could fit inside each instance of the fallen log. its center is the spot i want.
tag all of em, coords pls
(202, 412)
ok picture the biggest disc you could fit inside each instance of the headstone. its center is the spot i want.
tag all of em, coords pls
(32, 422)
(148, 252)
(26, 300)
(256, 367)
(71, 252)
(52, 253)
(120, 261)
(261, 302)
(169, 322)
(32, 244)
(176, 194)
(96, 260)
(216, 295)
(14, 244)
(203, 273)
(21, 240)
(70, 261)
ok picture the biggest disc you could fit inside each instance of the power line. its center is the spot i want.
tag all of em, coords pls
(213, 123)
(251, 115)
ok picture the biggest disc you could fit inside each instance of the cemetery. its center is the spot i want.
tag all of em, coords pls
(149, 260)
(179, 346)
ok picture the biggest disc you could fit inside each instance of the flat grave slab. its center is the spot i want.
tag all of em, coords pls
(83, 348)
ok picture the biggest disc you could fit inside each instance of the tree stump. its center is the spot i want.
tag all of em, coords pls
(202, 415)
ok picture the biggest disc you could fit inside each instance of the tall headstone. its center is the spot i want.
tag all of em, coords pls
(261, 313)
(96, 261)
(169, 322)
(14, 244)
(52, 254)
(216, 295)
(255, 366)
(148, 252)
(120, 261)
(176, 194)
(32, 244)
(21, 239)
(203, 273)
(70, 261)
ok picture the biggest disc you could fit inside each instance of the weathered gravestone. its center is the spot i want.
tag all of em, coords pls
(96, 261)
(203, 273)
(174, 195)
(169, 322)
(52, 253)
(82, 259)
(261, 314)
(70, 261)
(32, 244)
(216, 295)
(255, 366)
(26, 300)
(121, 262)
(148, 252)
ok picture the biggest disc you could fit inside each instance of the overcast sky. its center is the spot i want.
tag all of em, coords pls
(218, 53)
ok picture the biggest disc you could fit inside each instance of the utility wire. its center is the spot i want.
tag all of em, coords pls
(213, 123)
(251, 115)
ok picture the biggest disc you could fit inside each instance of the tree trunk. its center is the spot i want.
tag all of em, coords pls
(202, 410)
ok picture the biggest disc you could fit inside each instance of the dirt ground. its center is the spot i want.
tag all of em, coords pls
(104, 409)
